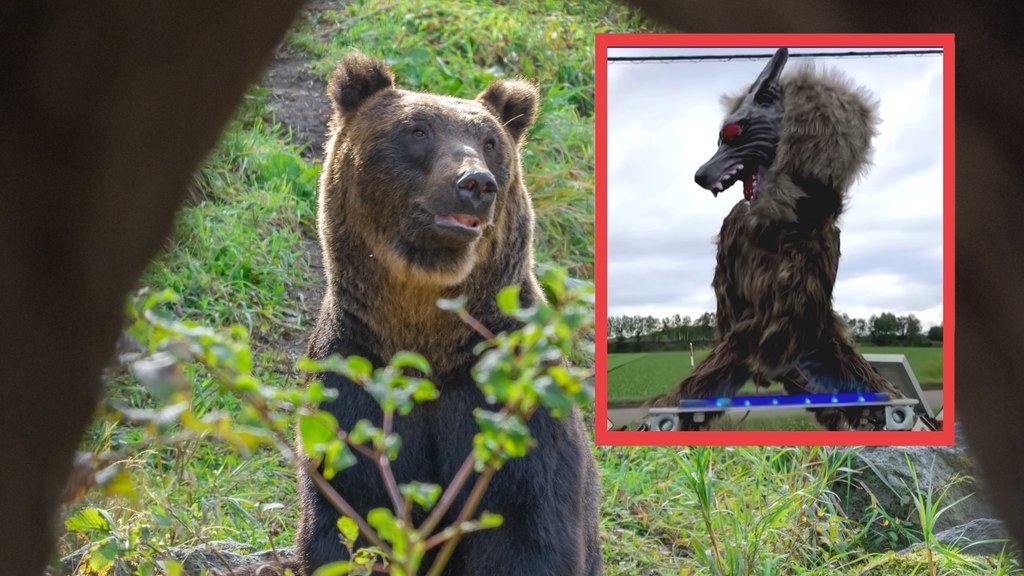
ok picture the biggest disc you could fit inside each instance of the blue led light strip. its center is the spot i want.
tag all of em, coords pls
(785, 400)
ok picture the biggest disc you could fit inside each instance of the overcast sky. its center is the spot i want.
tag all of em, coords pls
(663, 123)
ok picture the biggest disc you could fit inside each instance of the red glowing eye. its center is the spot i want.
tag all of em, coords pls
(730, 131)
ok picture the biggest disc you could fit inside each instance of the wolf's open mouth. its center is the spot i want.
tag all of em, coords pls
(738, 172)
(750, 183)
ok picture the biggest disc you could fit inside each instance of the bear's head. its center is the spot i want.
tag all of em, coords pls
(430, 185)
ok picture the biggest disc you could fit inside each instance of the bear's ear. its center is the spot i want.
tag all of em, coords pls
(356, 78)
(515, 104)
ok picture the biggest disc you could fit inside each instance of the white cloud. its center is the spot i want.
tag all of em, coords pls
(663, 120)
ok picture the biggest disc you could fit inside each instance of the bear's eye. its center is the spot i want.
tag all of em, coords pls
(489, 144)
(418, 133)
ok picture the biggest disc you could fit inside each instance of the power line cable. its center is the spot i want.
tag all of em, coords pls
(728, 57)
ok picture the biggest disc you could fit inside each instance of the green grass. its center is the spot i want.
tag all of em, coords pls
(636, 377)
(764, 511)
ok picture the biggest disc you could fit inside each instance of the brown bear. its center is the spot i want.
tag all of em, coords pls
(421, 198)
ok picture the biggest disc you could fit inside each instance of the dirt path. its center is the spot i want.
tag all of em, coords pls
(297, 97)
(298, 101)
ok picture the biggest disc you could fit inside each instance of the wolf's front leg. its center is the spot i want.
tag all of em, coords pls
(721, 374)
(837, 366)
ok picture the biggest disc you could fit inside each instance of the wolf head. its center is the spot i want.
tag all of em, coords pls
(749, 136)
(797, 142)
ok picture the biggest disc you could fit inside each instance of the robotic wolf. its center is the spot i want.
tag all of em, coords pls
(797, 143)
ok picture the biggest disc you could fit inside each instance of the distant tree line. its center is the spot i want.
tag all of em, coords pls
(647, 333)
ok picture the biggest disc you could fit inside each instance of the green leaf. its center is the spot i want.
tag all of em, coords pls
(452, 304)
(390, 529)
(487, 520)
(554, 397)
(501, 436)
(339, 568)
(423, 390)
(316, 430)
(508, 300)
(404, 359)
(102, 556)
(425, 495)
(162, 375)
(364, 431)
(390, 445)
(316, 392)
(358, 366)
(349, 529)
(367, 556)
(306, 364)
(90, 520)
(173, 567)
(337, 457)
(355, 368)
(247, 438)
(490, 520)
(116, 481)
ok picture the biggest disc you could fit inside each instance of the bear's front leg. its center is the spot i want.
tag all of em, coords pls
(549, 503)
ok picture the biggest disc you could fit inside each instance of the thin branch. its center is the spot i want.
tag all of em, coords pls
(476, 325)
(344, 507)
(467, 509)
(328, 491)
(447, 497)
(384, 463)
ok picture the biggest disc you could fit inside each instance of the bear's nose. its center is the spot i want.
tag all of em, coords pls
(476, 189)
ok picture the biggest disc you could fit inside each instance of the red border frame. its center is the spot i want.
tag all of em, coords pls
(604, 437)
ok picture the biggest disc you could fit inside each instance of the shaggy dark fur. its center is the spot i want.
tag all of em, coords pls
(394, 169)
(778, 251)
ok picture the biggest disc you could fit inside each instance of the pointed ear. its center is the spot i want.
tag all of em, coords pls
(515, 104)
(356, 78)
(764, 88)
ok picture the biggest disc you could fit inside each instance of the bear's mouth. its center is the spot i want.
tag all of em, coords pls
(465, 223)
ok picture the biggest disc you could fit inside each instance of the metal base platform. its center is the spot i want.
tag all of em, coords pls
(909, 413)
(899, 413)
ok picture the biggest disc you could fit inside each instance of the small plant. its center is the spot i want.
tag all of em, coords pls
(519, 372)
(928, 509)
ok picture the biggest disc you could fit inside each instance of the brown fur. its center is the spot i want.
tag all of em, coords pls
(359, 219)
(778, 257)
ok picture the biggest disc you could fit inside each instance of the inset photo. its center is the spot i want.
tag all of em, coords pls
(775, 239)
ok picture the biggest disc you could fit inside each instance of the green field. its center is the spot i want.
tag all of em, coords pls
(634, 377)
